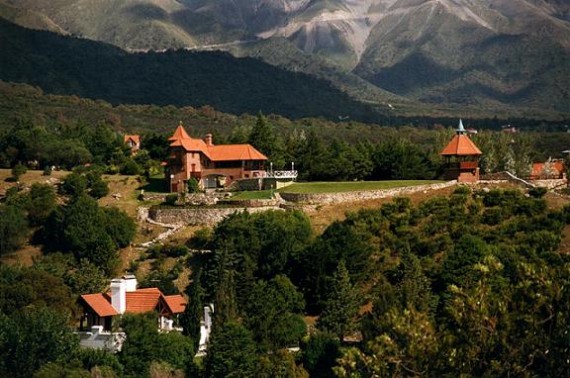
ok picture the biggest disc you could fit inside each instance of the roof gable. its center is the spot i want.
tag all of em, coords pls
(175, 303)
(136, 139)
(100, 304)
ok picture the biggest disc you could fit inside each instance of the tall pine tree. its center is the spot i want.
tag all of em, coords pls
(192, 315)
(341, 307)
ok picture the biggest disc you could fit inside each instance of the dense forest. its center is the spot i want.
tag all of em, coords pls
(394, 154)
(471, 284)
(100, 71)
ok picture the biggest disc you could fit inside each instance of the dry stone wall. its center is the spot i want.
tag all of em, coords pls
(332, 198)
(200, 216)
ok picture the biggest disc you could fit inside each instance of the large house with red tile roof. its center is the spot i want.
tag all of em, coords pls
(212, 165)
(462, 157)
(99, 310)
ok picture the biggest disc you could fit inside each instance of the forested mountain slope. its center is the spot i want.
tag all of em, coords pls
(66, 65)
(487, 53)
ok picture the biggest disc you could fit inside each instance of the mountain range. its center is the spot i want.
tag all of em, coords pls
(488, 53)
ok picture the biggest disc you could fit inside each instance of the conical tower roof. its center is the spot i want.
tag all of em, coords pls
(179, 134)
(461, 145)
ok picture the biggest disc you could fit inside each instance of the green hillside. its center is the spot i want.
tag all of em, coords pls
(64, 65)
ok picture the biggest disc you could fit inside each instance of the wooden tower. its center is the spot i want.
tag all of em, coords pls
(461, 157)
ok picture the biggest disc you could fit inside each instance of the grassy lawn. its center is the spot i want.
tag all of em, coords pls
(351, 186)
(252, 195)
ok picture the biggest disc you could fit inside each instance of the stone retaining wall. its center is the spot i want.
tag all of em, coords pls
(251, 203)
(550, 184)
(199, 216)
(332, 198)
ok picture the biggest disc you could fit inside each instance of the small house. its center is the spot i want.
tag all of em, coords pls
(134, 142)
(101, 310)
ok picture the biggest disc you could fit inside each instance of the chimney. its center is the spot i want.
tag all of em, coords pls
(119, 295)
(130, 282)
(208, 140)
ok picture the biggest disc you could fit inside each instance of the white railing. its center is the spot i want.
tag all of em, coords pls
(283, 174)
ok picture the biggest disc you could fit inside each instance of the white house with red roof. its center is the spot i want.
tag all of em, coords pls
(101, 309)
(212, 165)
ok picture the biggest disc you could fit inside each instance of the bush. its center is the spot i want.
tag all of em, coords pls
(537, 192)
(171, 199)
(18, 170)
(130, 168)
(201, 239)
(193, 185)
(99, 189)
(47, 171)
(462, 189)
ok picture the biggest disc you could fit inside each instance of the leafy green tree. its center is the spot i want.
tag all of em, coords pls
(408, 347)
(262, 136)
(13, 228)
(18, 170)
(42, 201)
(141, 346)
(272, 313)
(341, 306)
(86, 279)
(32, 338)
(33, 288)
(231, 352)
(83, 232)
(74, 184)
(281, 363)
(119, 226)
(130, 167)
(58, 370)
(399, 159)
(99, 189)
(319, 354)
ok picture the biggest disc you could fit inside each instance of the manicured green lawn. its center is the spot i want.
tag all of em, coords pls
(254, 194)
(351, 186)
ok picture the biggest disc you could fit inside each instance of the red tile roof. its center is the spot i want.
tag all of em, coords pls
(100, 303)
(176, 303)
(138, 301)
(179, 133)
(142, 300)
(556, 170)
(460, 145)
(135, 138)
(235, 152)
(224, 152)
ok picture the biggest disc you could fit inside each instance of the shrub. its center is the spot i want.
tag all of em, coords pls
(47, 171)
(193, 185)
(18, 170)
(462, 189)
(537, 192)
(99, 189)
(171, 199)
